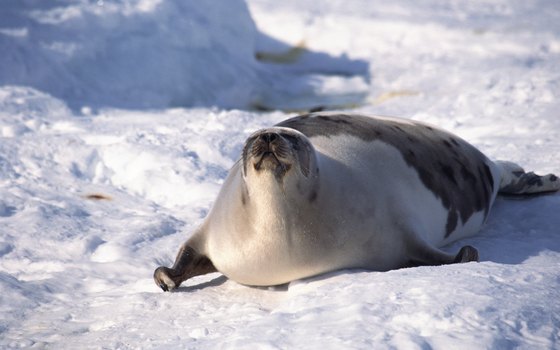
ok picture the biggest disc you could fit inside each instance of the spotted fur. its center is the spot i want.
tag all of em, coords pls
(456, 172)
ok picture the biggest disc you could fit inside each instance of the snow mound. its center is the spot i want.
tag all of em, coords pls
(131, 53)
(152, 53)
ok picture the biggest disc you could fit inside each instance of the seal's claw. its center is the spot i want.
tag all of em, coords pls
(163, 286)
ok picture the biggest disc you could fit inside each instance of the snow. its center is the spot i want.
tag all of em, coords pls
(117, 131)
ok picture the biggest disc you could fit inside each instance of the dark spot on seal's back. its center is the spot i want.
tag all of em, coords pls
(448, 172)
(467, 175)
(553, 177)
(334, 120)
(478, 201)
(451, 222)
(411, 153)
(398, 128)
(430, 179)
(452, 169)
(489, 177)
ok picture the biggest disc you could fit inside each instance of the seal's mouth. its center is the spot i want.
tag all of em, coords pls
(268, 160)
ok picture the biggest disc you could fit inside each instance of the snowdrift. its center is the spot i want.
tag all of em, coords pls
(157, 54)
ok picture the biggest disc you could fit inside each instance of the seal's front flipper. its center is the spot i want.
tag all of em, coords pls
(466, 254)
(515, 181)
(421, 253)
(189, 263)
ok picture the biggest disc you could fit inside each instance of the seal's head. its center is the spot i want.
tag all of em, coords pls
(284, 153)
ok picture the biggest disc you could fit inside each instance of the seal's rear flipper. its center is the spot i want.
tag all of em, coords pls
(515, 181)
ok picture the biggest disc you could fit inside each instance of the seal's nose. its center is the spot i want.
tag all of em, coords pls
(269, 137)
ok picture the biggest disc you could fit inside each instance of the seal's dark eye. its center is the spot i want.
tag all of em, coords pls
(302, 151)
(294, 141)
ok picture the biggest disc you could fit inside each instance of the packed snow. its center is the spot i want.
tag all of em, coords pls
(119, 121)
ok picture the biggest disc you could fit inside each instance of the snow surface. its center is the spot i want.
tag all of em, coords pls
(115, 136)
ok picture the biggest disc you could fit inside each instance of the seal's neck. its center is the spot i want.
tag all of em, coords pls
(266, 191)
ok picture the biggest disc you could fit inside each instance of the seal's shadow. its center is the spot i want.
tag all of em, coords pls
(518, 228)
(220, 280)
(215, 282)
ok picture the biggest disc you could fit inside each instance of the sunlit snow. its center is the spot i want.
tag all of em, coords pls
(120, 119)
